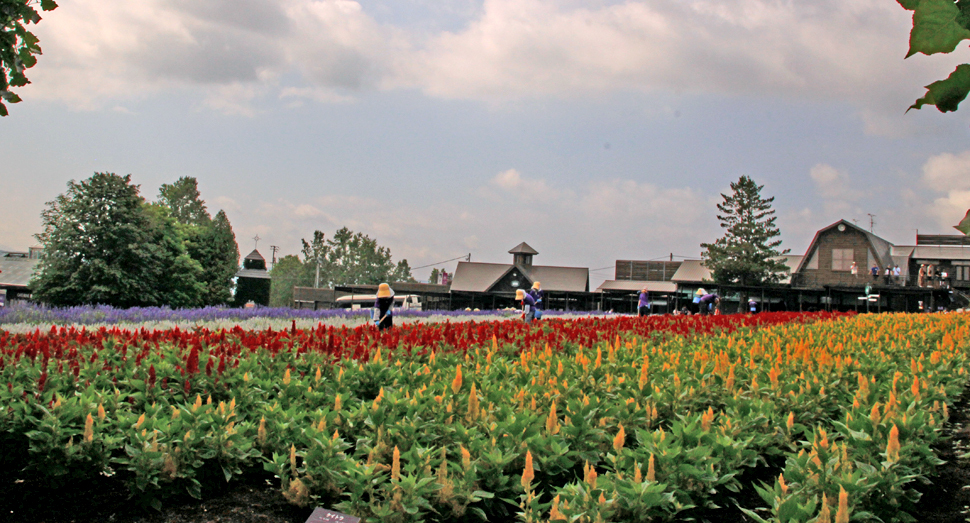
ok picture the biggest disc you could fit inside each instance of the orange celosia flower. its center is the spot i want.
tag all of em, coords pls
(396, 464)
(101, 413)
(286, 377)
(554, 513)
(590, 475)
(619, 440)
(456, 383)
(528, 473)
(473, 409)
(293, 459)
(637, 475)
(466, 458)
(790, 422)
(651, 472)
(781, 483)
(892, 447)
(824, 515)
(89, 429)
(552, 420)
(842, 516)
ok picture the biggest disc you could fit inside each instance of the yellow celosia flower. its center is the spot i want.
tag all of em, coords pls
(528, 473)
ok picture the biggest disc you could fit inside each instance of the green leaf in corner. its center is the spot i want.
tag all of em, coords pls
(964, 225)
(947, 94)
(48, 5)
(937, 27)
(909, 5)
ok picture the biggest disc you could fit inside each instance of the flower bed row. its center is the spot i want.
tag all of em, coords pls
(620, 419)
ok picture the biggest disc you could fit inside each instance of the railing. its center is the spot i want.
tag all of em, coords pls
(848, 280)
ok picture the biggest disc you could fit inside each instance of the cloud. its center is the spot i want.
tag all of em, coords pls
(506, 50)
(949, 174)
(512, 182)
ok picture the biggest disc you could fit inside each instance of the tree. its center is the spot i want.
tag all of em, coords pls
(210, 242)
(434, 276)
(288, 272)
(103, 243)
(747, 253)
(938, 26)
(185, 202)
(349, 258)
(17, 45)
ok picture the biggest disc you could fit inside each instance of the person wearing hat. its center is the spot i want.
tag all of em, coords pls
(537, 294)
(382, 307)
(528, 305)
(643, 306)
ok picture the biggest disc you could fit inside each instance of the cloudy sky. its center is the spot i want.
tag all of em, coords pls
(593, 130)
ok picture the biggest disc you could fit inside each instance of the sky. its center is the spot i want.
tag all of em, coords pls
(592, 130)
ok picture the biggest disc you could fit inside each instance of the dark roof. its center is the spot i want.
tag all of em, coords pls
(523, 248)
(480, 277)
(476, 276)
(942, 239)
(16, 272)
(255, 255)
(637, 285)
(253, 273)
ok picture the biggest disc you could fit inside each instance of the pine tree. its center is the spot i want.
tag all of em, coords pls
(747, 253)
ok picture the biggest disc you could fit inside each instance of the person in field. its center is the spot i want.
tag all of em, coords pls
(528, 305)
(538, 294)
(382, 307)
(643, 305)
(709, 303)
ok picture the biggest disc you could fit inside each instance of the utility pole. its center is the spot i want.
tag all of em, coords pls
(274, 249)
(872, 222)
(469, 258)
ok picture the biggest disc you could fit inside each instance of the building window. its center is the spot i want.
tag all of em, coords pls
(842, 259)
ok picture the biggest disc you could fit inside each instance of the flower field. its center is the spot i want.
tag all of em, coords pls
(591, 419)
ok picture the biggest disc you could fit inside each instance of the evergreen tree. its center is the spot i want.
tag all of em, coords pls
(222, 261)
(434, 276)
(104, 244)
(747, 253)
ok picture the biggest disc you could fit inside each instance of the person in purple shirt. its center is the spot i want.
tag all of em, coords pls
(538, 294)
(528, 305)
(643, 306)
(708, 302)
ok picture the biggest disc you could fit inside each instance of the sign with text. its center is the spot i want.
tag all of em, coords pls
(321, 515)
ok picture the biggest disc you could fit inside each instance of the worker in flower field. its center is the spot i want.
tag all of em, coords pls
(538, 294)
(752, 306)
(643, 305)
(708, 303)
(528, 305)
(382, 307)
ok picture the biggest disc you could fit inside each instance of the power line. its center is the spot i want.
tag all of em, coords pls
(467, 257)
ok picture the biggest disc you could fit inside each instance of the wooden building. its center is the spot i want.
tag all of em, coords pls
(253, 281)
(493, 285)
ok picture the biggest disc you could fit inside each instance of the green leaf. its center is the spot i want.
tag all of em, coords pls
(48, 5)
(964, 225)
(947, 94)
(909, 5)
(937, 27)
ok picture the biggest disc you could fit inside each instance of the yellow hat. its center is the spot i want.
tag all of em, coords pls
(700, 292)
(384, 291)
(519, 294)
(535, 285)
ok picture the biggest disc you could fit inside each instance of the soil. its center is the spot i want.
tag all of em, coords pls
(256, 498)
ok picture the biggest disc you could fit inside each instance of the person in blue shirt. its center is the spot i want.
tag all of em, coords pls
(528, 305)
(752, 306)
(382, 307)
(643, 306)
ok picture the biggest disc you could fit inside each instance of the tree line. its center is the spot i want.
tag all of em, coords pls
(348, 258)
(104, 243)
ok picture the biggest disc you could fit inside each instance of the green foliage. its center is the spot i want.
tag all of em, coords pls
(17, 45)
(964, 225)
(746, 254)
(210, 242)
(184, 201)
(938, 27)
(346, 259)
(289, 272)
(104, 244)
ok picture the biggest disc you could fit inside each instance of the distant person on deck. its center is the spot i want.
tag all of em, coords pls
(528, 305)
(643, 306)
(382, 307)
(921, 277)
(874, 271)
(854, 269)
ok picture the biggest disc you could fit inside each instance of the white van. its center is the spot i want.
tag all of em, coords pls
(402, 302)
